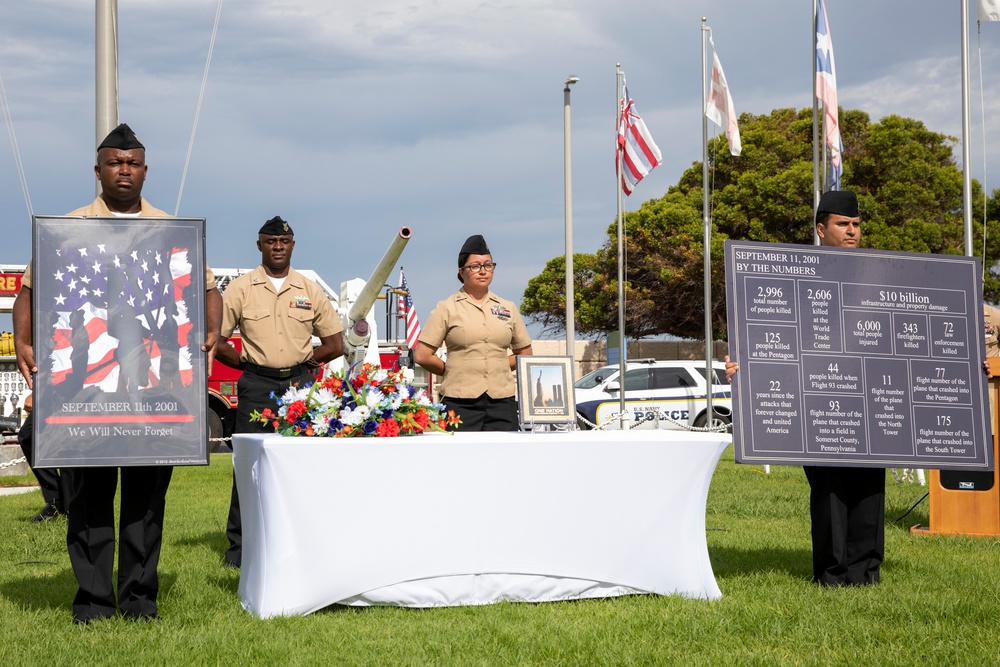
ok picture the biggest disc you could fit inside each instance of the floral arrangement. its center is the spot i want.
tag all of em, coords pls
(369, 402)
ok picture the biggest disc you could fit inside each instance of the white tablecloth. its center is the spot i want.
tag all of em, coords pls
(472, 518)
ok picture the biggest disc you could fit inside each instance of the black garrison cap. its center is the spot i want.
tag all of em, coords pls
(122, 138)
(276, 227)
(838, 202)
(475, 245)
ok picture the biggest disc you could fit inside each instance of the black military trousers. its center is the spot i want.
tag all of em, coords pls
(254, 393)
(847, 507)
(90, 539)
(484, 413)
(54, 482)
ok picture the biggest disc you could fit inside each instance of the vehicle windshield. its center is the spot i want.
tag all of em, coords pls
(594, 378)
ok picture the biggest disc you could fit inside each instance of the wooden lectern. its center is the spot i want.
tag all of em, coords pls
(968, 503)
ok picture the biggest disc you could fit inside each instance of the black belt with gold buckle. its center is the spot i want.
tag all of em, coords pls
(276, 373)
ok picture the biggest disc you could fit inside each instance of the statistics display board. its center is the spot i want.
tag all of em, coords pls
(854, 357)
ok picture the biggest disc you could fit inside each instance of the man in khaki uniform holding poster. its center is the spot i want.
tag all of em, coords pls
(121, 168)
(278, 311)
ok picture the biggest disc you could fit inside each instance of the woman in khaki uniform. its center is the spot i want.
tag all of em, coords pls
(483, 335)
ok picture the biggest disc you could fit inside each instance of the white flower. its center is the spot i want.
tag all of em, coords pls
(293, 394)
(349, 417)
(372, 398)
(326, 398)
(320, 424)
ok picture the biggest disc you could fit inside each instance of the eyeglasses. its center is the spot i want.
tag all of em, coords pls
(476, 268)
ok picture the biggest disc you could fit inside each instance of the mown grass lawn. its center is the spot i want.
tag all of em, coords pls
(938, 604)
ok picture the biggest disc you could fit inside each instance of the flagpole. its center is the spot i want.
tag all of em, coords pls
(966, 134)
(106, 69)
(568, 214)
(619, 102)
(707, 220)
(815, 101)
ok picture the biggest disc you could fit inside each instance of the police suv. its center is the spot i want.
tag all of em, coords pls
(654, 390)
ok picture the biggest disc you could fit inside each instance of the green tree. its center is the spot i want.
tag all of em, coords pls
(906, 178)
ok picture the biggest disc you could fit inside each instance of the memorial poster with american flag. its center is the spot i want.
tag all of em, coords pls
(119, 321)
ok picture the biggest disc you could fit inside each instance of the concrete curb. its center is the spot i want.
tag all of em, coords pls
(16, 490)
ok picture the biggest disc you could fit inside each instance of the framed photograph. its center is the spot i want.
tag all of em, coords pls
(545, 390)
(118, 309)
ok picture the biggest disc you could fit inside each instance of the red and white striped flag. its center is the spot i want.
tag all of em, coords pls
(637, 153)
(409, 313)
(720, 109)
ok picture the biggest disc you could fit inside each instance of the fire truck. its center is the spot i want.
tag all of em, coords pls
(13, 388)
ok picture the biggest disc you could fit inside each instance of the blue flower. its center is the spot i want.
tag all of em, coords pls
(369, 427)
(336, 425)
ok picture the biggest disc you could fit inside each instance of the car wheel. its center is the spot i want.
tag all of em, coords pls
(717, 420)
(214, 431)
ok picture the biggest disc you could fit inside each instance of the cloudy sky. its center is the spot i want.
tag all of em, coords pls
(351, 119)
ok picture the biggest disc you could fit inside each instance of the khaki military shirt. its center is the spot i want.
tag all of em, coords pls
(99, 209)
(277, 327)
(991, 320)
(478, 338)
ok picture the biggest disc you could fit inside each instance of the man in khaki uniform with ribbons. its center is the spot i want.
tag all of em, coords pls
(278, 311)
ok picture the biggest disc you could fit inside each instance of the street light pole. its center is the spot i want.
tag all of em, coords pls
(568, 194)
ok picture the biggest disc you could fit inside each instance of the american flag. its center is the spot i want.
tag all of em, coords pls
(826, 92)
(637, 153)
(114, 307)
(720, 109)
(407, 311)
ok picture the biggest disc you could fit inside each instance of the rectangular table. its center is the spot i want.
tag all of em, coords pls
(472, 518)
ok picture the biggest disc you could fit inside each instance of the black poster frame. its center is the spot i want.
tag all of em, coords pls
(118, 307)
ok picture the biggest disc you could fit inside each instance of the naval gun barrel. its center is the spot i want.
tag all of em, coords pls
(358, 325)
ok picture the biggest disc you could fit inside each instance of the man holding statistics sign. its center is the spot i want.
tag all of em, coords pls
(854, 362)
(95, 358)
(846, 505)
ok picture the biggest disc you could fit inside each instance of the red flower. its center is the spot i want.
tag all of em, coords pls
(295, 410)
(387, 429)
